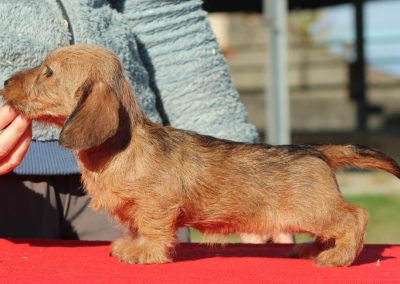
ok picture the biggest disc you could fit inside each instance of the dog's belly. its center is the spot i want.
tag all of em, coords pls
(232, 224)
(216, 227)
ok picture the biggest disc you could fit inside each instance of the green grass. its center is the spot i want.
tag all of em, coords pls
(384, 220)
(383, 227)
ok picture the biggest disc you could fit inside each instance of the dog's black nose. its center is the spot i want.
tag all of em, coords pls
(6, 82)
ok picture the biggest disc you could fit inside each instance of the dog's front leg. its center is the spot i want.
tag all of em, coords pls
(152, 241)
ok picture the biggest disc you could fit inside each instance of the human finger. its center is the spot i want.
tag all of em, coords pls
(15, 157)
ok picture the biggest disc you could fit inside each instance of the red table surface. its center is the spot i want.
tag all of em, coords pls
(50, 261)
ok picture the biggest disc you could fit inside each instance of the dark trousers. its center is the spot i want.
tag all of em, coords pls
(53, 207)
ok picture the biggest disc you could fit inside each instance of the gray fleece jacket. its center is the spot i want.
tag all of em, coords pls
(167, 47)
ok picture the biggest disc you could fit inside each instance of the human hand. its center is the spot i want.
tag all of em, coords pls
(15, 138)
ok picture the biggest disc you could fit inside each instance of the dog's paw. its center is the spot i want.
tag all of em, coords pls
(334, 257)
(137, 251)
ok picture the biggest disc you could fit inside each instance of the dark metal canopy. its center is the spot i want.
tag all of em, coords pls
(256, 5)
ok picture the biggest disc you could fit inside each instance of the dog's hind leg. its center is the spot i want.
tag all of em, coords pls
(322, 211)
(348, 234)
(339, 241)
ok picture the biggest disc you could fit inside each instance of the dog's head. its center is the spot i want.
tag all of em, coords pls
(77, 88)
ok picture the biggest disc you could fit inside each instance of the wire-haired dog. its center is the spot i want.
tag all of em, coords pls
(155, 179)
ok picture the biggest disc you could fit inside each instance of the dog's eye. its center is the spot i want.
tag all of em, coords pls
(48, 73)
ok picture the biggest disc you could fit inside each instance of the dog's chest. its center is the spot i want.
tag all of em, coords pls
(101, 192)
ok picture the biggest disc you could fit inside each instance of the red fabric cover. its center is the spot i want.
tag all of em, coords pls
(59, 261)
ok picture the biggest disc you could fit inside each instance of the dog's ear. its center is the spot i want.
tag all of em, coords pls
(95, 118)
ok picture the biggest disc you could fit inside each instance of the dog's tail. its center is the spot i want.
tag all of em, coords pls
(358, 156)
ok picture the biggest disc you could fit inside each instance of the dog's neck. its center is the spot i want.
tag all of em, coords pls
(130, 104)
(97, 158)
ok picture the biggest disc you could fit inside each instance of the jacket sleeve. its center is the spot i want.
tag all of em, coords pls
(187, 68)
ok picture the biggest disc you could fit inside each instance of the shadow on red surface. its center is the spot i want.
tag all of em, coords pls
(190, 252)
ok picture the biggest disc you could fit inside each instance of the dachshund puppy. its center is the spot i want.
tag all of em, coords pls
(154, 179)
